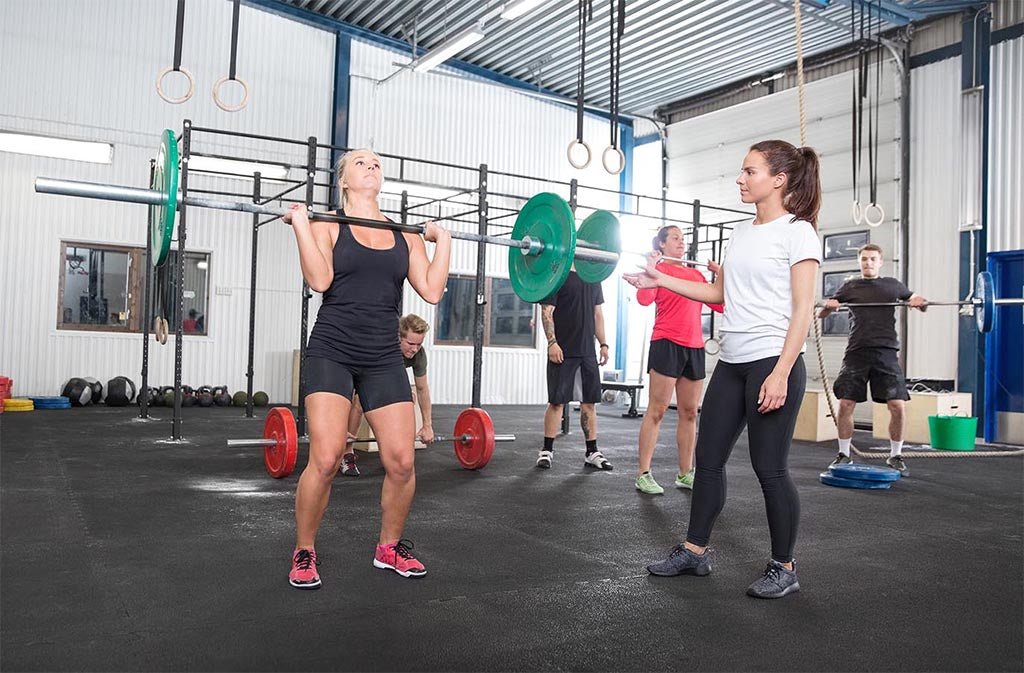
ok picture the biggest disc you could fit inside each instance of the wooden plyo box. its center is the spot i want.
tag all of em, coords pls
(918, 409)
(814, 422)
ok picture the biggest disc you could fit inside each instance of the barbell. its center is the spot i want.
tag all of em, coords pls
(983, 304)
(473, 438)
(542, 247)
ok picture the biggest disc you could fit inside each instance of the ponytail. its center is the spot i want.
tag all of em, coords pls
(803, 181)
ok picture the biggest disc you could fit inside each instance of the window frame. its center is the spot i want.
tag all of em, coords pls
(136, 259)
(826, 325)
(488, 290)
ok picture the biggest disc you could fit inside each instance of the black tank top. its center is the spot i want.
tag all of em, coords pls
(358, 322)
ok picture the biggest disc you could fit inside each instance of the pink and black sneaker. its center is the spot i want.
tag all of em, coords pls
(398, 557)
(304, 574)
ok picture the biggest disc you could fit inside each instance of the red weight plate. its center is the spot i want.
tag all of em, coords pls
(476, 450)
(280, 427)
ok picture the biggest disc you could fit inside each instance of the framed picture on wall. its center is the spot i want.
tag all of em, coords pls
(845, 245)
(837, 324)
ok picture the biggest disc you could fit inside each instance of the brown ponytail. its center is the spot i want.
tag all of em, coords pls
(803, 183)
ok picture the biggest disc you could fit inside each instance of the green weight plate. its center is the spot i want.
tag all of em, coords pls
(601, 229)
(986, 310)
(546, 218)
(165, 180)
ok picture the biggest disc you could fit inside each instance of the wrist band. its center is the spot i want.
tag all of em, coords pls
(603, 345)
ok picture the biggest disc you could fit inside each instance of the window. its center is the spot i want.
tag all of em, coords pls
(99, 288)
(844, 246)
(837, 324)
(508, 320)
(196, 296)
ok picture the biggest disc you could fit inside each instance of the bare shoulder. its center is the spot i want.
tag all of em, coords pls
(323, 228)
(413, 240)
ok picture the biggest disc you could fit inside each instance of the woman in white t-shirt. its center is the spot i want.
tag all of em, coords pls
(767, 285)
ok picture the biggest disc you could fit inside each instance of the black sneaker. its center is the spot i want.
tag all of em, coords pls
(776, 582)
(896, 463)
(841, 459)
(348, 466)
(682, 561)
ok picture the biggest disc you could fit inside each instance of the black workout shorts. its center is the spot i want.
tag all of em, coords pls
(674, 361)
(377, 386)
(880, 367)
(562, 380)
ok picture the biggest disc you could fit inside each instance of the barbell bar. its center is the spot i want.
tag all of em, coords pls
(544, 233)
(473, 439)
(983, 304)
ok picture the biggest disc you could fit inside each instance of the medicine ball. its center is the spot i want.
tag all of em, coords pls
(78, 391)
(120, 391)
(260, 398)
(97, 389)
(239, 398)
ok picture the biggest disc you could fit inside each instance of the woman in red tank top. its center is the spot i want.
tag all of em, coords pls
(675, 363)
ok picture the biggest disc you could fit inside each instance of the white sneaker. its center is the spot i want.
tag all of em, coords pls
(597, 461)
(544, 459)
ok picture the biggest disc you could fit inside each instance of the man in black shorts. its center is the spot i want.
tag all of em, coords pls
(572, 318)
(872, 353)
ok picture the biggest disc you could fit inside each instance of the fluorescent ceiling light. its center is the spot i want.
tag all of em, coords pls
(58, 148)
(511, 11)
(447, 49)
(240, 168)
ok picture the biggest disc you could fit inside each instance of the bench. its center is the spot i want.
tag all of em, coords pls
(631, 388)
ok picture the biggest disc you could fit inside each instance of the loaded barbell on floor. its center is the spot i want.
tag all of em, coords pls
(473, 438)
(544, 233)
(983, 305)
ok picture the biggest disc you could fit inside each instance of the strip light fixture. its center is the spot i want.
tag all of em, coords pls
(57, 148)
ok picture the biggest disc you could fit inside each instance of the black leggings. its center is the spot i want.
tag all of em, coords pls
(731, 402)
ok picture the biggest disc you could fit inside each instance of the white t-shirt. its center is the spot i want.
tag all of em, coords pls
(758, 293)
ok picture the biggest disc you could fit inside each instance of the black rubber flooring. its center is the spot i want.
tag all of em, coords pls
(121, 551)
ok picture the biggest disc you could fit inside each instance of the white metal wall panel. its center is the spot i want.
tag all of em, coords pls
(934, 205)
(442, 117)
(1005, 147)
(705, 154)
(87, 71)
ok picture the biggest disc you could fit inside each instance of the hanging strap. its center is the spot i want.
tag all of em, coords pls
(231, 68)
(234, 38)
(179, 33)
(617, 26)
(584, 12)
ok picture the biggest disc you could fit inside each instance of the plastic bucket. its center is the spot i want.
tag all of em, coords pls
(953, 433)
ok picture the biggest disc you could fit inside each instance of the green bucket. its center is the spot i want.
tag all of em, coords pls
(953, 433)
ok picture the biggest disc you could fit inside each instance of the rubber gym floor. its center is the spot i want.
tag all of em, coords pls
(122, 551)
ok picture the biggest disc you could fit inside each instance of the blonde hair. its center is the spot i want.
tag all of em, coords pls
(339, 170)
(412, 323)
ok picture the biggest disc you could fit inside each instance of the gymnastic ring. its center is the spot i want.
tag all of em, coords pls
(858, 213)
(572, 146)
(867, 216)
(221, 104)
(622, 159)
(712, 346)
(160, 330)
(188, 94)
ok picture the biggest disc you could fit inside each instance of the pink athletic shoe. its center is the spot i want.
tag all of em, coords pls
(304, 574)
(398, 557)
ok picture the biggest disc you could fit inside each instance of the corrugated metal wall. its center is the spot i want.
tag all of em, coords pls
(1006, 147)
(705, 154)
(86, 70)
(934, 208)
(447, 118)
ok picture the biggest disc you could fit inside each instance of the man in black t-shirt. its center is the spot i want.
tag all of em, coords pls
(572, 319)
(872, 352)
